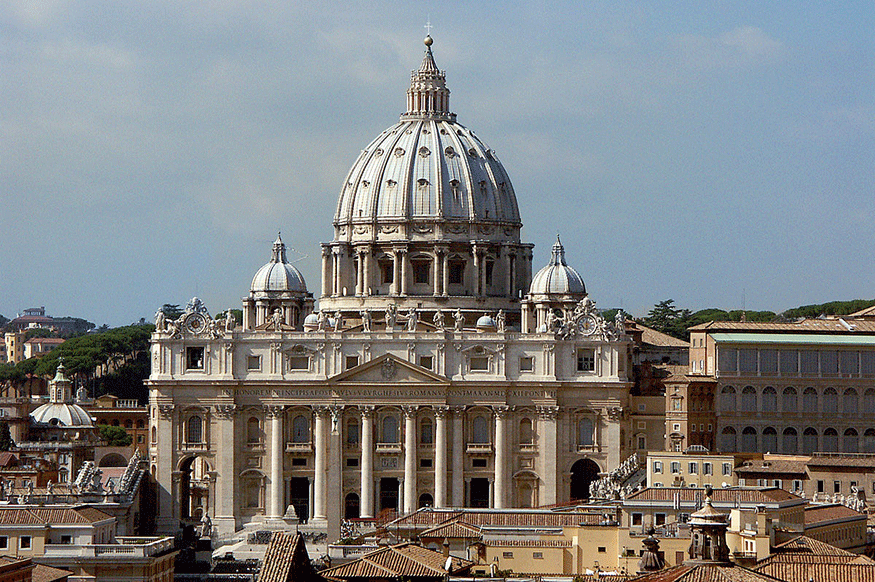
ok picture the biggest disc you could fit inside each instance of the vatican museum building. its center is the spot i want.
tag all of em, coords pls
(437, 369)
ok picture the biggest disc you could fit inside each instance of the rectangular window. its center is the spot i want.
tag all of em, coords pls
(585, 360)
(299, 461)
(489, 268)
(789, 362)
(478, 463)
(352, 462)
(299, 362)
(660, 519)
(675, 467)
(820, 486)
(747, 360)
(707, 469)
(479, 364)
(602, 549)
(642, 443)
(253, 363)
(797, 485)
(4, 542)
(194, 358)
(768, 361)
(537, 555)
(850, 363)
(836, 486)
(24, 542)
(420, 272)
(527, 364)
(727, 359)
(657, 466)
(637, 519)
(829, 363)
(676, 427)
(809, 361)
(67, 540)
(694, 469)
(387, 272)
(457, 272)
(727, 468)
(425, 463)
(507, 554)
(351, 362)
(427, 362)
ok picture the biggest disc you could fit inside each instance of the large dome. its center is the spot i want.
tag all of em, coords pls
(61, 413)
(557, 278)
(278, 275)
(427, 168)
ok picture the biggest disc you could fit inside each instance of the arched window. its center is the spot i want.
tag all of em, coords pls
(141, 424)
(129, 423)
(584, 432)
(526, 431)
(770, 399)
(352, 432)
(869, 400)
(849, 401)
(727, 399)
(850, 441)
(351, 506)
(195, 430)
(809, 400)
(390, 429)
(300, 429)
(426, 432)
(481, 430)
(788, 400)
(770, 439)
(749, 399)
(831, 440)
(727, 440)
(809, 440)
(426, 500)
(790, 441)
(749, 439)
(869, 440)
(830, 401)
(253, 430)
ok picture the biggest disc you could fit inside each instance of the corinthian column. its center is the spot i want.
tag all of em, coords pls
(225, 520)
(367, 439)
(409, 459)
(275, 505)
(440, 462)
(319, 489)
(501, 484)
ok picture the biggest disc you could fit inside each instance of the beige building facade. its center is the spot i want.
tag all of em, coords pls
(438, 370)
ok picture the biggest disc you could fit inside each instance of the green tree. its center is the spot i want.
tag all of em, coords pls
(6, 442)
(115, 436)
(668, 319)
(171, 310)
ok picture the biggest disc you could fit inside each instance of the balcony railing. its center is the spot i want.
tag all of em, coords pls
(299, 447)
(389, 448)
(528, 448)
(479, 448)
(195, 446)
(127, 547)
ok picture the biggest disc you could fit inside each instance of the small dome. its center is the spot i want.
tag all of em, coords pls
(557, 278)
(312, 319)
(278, 276)
(485, 321)
(63, 414)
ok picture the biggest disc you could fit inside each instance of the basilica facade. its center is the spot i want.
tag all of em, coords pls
(437, 370)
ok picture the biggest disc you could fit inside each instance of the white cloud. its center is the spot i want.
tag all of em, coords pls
(742, 46)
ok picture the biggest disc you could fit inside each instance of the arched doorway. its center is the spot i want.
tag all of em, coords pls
(113, 460)
(583, 472)
(194, 488)
(351, 506)
(426, 500)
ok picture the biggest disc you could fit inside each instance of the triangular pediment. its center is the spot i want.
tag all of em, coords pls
(388, 369)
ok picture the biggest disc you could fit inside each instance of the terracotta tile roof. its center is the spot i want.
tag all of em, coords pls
(657, 338)
(794, 467)
(829, 325)
(8, 459)
(804, 545)
(521, 518)
(842, 460)
(707, 573)
(286, 560)
(501, 543)
(799, 572)
(403, 560)
(867, 312)
(719, 496)
(455, 529)
(44, 516)
(818, 514)
(46, 340)
(48, 574)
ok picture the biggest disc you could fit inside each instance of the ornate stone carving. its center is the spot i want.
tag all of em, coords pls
(458, 409)
(273, 410)
(336, 412)
(362, 229)
(617, 413)
(457, 228)
(388, 228)
(423, 228)
(502, 410)
(547, 412)
(166, 411)
(389, 369)
(225, 411)
(367, 410)
(320, 410)
(441, 411)
(586, 321)
(409, 410)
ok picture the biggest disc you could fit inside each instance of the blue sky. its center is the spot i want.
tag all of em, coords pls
(716, 153)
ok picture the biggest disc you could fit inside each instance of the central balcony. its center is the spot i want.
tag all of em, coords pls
(389, 448)
(299, 447)
(479, 448)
